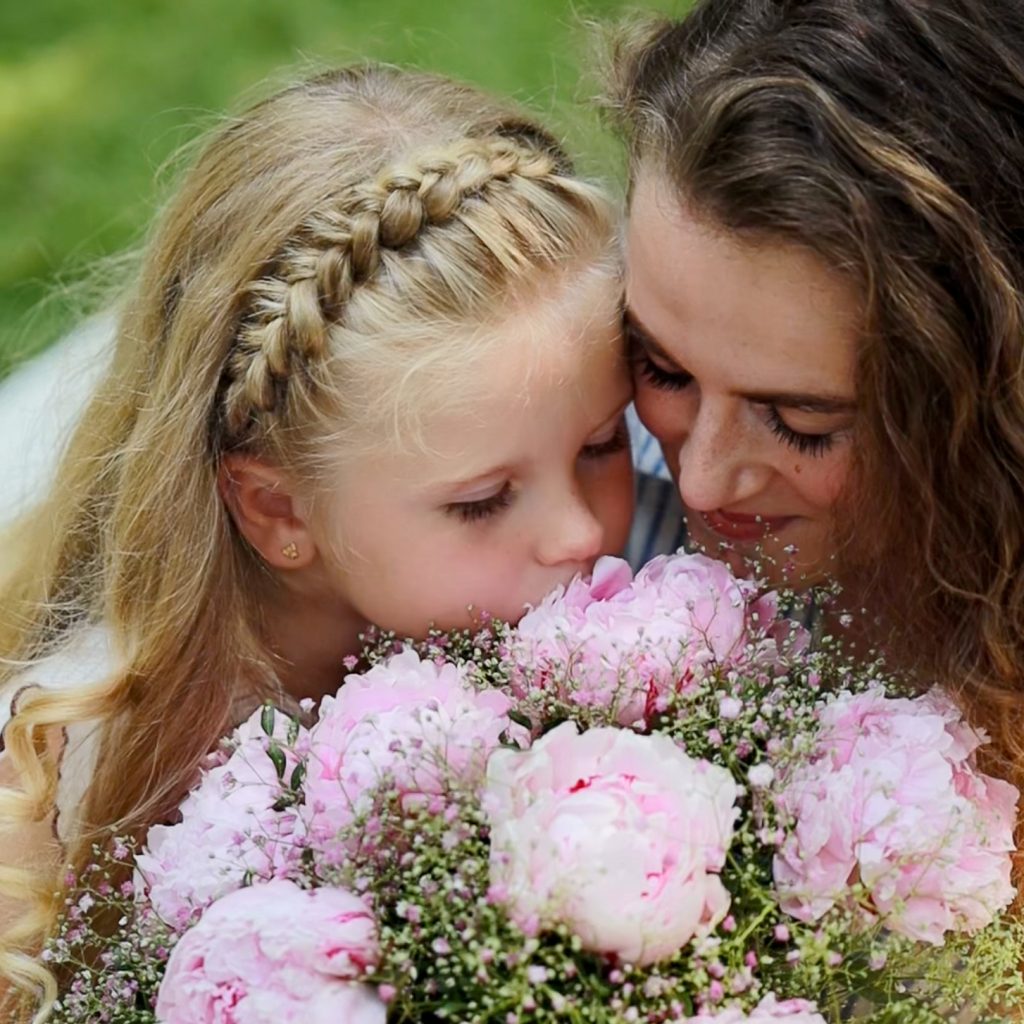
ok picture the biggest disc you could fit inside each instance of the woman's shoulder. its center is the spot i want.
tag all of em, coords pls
(659, 526)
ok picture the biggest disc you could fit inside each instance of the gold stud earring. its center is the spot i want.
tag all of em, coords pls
(290, 551)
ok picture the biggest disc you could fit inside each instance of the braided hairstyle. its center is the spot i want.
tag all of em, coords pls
(331, 245)
(367, 234)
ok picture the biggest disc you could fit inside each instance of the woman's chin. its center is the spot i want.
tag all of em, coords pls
(792, 558)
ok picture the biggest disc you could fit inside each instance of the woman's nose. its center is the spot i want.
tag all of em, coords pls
(720, 465)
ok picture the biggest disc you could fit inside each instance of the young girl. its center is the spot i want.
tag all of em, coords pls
(370, 372)
(825, 299)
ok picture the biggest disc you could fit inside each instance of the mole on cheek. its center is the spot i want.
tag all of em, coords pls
(798, 469)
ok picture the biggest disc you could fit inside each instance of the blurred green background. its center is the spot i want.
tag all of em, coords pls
(96, 97)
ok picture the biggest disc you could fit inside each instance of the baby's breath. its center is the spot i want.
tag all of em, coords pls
(449, 948)
(109, 951)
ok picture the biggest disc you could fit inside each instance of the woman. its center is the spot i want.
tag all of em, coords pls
(825, 303)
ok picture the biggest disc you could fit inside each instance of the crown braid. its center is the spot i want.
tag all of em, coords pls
(292, 309)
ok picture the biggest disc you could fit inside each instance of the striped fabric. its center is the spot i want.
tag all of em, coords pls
(658, 526)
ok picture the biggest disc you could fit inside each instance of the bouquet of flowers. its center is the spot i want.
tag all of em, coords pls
(651, 800)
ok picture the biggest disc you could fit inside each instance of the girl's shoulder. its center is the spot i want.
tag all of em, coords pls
(88, 657)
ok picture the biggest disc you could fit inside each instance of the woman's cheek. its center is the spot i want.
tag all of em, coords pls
(661, 412)
(822, 481)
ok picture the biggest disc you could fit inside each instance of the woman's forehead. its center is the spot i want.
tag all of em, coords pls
(759, 308)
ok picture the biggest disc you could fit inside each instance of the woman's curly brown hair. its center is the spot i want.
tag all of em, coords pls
(887, 136)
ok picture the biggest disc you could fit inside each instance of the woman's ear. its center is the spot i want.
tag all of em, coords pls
(266, 512)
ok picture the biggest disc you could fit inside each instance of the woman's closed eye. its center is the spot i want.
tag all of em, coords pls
(659, 377)
(481, 508)
(668, 378)
(804, 442)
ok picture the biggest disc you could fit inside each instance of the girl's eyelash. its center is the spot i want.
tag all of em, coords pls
(616, 443)
(475, 511)
(485, 508)
(806, 444)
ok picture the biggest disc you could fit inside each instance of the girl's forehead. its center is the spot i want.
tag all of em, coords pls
(562, 337)
(527, 404)
(570, 369)
(562, 352)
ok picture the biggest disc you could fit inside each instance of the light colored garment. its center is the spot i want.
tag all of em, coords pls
(39, 405)
(658, 526)
(86, 659)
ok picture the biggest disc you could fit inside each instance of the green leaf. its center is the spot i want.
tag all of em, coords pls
(520, 719)
(276, 755)
(267, 719)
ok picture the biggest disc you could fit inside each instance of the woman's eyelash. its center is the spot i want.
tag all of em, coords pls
(655, 375)
(616, 443)
(474, 511)
(806, 444)
(662, 378)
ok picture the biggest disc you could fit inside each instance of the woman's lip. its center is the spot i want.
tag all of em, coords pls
(739, 526)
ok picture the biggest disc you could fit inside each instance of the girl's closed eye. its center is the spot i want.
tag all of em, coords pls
(612, 440)
(477, 509)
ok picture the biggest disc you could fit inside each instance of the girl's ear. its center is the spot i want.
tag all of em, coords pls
(260, 500)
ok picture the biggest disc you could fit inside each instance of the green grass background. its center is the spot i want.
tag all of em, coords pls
(97, 95)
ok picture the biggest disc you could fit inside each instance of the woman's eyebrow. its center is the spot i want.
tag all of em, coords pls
(805, 401)
(831, 404)
(634, 326)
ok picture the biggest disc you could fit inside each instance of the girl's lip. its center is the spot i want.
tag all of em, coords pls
(740, 526)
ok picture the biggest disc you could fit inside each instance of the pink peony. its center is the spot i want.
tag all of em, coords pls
(795, 1011)
(416, 723)
(618, 642)
(620, 836)
(274, 954)
(229, 829)
(892, 796)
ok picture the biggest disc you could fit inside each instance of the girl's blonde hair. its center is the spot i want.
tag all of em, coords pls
(320, 255)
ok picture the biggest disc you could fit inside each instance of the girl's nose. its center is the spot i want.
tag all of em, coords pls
(573, 535)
